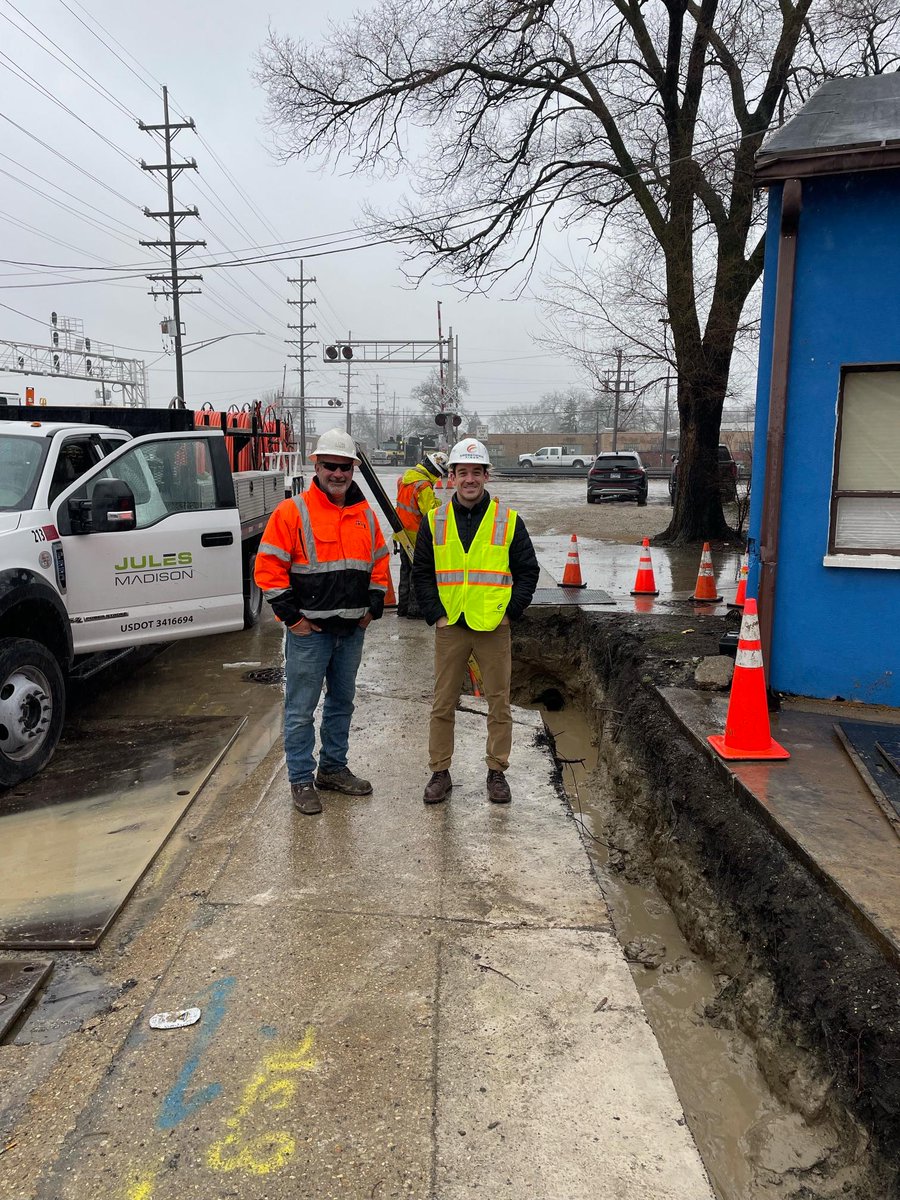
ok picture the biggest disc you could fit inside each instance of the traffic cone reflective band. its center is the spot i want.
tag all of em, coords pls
(705, 591)
(644, 583)
(572, 573)
(740, 595)
(390, 600)
(747, 733)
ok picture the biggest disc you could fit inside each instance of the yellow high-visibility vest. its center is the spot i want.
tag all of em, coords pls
(476, 585)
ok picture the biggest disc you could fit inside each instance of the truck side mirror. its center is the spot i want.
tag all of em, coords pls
(112, 506)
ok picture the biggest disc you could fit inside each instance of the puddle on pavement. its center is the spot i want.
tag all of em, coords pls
(736, 1121)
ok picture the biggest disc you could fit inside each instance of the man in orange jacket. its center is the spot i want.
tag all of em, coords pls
(323, 566)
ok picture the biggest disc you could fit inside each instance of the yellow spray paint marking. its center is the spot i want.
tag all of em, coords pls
(265, 1152)
(141, 1189)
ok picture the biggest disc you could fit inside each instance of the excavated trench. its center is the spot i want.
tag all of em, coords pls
(779, 1021)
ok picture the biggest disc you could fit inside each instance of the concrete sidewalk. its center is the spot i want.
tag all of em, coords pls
(397, 1000)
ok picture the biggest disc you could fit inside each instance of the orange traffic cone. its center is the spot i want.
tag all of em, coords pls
(705, 591)
(747, 733)
(741, 594)
(572, 573)
(644, 582)
(438, 484)
(390, 600)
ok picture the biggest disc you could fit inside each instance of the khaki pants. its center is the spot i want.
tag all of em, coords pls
(492, 651)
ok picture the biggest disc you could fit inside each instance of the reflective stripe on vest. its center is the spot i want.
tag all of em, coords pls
(312, 566)
(477, 584)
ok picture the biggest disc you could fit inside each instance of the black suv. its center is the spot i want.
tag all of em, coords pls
(617, 475)
(727, 475)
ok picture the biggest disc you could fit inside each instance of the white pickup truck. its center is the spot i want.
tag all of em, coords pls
(555, 456)
(107, 542)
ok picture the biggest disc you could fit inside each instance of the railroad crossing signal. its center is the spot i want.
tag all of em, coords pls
(341, 350)
(442, 418)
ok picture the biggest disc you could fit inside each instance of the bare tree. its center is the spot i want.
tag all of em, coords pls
(633, 118)
(433, 397)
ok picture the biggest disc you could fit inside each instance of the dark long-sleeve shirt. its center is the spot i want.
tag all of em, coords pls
(523, 563)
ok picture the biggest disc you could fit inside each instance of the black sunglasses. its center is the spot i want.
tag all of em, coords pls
(330, 466)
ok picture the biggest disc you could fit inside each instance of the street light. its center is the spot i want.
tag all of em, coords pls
(192, 346)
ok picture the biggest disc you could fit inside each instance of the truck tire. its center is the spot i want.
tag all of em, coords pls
(32, 708)
(253, 597)
(579, 462)
(526, 462)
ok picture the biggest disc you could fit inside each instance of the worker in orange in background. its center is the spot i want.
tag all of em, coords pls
(323, 566)
(415, 500)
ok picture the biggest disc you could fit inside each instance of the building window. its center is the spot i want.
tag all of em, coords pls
(865, 498)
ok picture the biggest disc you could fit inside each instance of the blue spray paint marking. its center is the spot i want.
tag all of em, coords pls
(268, 1031)
(176, 1106)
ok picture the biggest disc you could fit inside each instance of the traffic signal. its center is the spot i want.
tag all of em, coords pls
(440, 419)
(333, 353)
(334, 403)
(55, 362)
(87, 345)
(457, 419)
(89, 366)
(55, 337)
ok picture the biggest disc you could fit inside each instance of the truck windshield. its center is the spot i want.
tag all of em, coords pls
(21, 459)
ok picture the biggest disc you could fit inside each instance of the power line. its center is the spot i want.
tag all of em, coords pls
(74, 68)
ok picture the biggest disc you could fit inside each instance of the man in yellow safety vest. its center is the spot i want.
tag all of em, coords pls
(474, 571)
(415, 500)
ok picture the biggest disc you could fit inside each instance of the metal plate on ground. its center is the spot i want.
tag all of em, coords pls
(581, 596)
(75, 841)
(875, 752)
(20, 980)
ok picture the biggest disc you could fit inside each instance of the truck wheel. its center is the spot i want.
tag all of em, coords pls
(527, 463)
(578, 463)
(32, 708)
(253, 597)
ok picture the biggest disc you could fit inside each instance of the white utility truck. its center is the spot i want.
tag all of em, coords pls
(555, 456)
(108, 542)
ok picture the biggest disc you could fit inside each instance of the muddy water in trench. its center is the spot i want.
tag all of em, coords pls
(732, 1114)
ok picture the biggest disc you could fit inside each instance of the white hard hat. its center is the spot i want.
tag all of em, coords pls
(469, 451)
(436, 462)
(335, 441)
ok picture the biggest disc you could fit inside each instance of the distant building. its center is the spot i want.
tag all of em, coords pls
(825, 509)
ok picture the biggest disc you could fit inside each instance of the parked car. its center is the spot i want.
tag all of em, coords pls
(728, 473)
(617, 475)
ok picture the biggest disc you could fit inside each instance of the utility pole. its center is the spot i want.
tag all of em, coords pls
(349, 418)
(665, 428)
(173, 281)
(620, 387)
(377, 411)
(301, 343)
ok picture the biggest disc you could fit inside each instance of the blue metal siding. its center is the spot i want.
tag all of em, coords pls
(836, 631)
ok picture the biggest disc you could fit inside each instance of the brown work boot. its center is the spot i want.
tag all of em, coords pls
(438, 788)
(306, 798)
(343, 781)
(497, 788)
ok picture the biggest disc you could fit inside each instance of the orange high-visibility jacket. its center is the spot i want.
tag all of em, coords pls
(324, 561)
(415, 498)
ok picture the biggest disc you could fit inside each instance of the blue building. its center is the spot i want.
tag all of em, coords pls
(825, 509)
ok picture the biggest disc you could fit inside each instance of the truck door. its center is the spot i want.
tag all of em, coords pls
(177, 573)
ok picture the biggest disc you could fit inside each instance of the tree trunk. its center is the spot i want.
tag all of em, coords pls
(697, 514)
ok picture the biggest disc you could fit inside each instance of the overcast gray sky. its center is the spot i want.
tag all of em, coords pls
(86, 209)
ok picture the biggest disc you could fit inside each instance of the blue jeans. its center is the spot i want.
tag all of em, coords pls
(308, 661)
